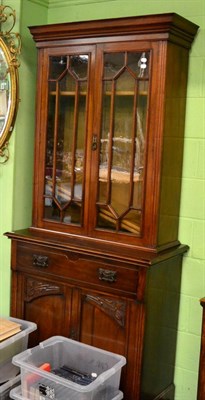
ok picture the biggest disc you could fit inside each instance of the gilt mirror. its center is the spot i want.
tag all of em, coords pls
(10, 46)
(8, 93)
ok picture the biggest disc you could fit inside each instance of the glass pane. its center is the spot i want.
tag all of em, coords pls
(141, 124)
(113, 64)
(57, 66)
(131, 222)
(66, 132)
(125, 83)
(104, 142)
(139, 63)
(50, 134)
(5, 93)
(79, 65)
(122, 144)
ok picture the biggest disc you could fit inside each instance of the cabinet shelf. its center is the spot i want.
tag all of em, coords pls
(117, 93)
(67, 93)
(127, 93)
(63, 191)
(117, 176)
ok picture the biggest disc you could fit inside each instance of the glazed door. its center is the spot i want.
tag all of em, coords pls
(123, 85)
(64, 125)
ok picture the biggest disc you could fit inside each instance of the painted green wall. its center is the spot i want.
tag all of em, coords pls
(16, 175)
(6, 203)
(31, 14)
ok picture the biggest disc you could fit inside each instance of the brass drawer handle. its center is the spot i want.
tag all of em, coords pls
(107, 275)
(40, 261)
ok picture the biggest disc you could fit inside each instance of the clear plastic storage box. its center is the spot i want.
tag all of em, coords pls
(8, 386)
(59, 352)
(17, 395)
(12, 346)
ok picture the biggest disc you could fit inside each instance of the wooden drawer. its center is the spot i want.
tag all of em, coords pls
(77, 267)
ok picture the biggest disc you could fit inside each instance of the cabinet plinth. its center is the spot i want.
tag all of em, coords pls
(101, 262)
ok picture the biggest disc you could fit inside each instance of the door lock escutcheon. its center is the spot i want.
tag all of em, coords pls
(94, 143)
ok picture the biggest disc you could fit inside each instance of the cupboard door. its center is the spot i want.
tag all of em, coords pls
(103, 323)
(48, 303)
(109, 322)
(103, 317)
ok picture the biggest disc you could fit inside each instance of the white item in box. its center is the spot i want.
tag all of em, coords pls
(12, 346)
(17, 395)
(8, 386)
(59, 351)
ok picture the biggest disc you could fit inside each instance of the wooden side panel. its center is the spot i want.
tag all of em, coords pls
(162, 309)
(201, 379)
(173, 143)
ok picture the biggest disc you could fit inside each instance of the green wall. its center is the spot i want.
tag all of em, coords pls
(6, 203)
(16, 175)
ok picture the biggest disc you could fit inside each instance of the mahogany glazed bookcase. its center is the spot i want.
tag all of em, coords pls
(101, 262)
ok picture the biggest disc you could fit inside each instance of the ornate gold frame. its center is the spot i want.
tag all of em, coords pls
(10, 44)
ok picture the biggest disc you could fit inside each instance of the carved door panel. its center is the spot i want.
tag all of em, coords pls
(103, 321)
(109, 322)
(49, 305)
